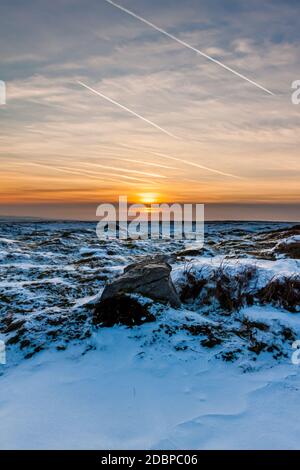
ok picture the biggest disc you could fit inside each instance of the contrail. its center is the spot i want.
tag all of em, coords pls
(128, 110)
(197, 165)
(107, 174)
(65, 170)
(185, 44)
(92, 176)
(125, 170)
(159, 165)
(187, 162)
(131, 160)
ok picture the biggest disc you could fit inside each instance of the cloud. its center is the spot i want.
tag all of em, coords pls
(224, 123)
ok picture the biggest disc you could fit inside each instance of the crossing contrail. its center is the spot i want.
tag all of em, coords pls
(128, 110)
(126, 170)
(159, 165)
(111, 177)
(185, 44)
(186, 162)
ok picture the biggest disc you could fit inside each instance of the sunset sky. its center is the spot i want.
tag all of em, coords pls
(218, 139)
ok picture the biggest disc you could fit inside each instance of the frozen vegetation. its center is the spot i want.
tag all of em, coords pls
(214, 372)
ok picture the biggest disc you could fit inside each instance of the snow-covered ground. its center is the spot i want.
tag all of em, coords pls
(69, 385)
(121, 397)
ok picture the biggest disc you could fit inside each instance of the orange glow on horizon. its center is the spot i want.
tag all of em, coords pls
(149, 198)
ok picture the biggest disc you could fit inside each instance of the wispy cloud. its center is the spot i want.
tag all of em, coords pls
(102, 178)
(229, 131)
(128, 110)
(189, 46)
(187, 162)
(158, 165)
(125, 170)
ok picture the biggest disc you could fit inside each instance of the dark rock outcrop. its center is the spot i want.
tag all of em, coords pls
(148, 279)
(290, 247)
(118, 303)
(122, 309)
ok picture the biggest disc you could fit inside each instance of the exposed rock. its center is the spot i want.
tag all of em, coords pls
(190, 252)
(14, 325)
(122, 309)
(283, 232)
(150, 279)
(290, 247)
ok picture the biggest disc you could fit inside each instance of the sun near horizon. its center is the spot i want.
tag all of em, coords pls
(123, 109)
(149, 198)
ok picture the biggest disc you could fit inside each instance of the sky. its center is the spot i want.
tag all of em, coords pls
(189, 130)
